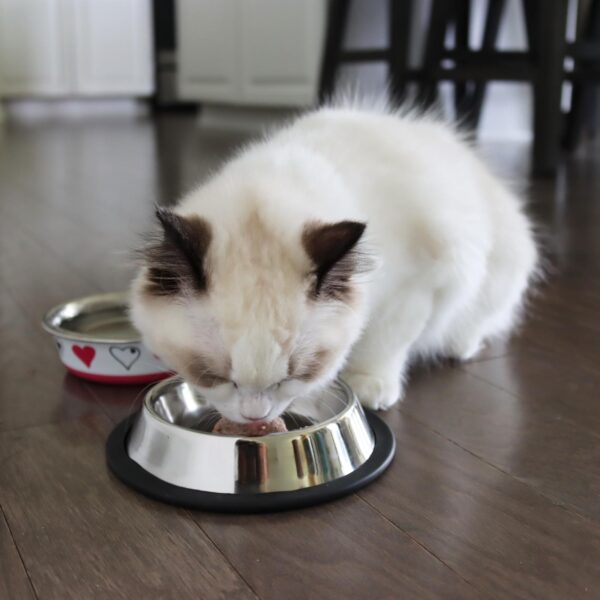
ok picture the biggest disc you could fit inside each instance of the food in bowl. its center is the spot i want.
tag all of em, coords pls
(226, 427)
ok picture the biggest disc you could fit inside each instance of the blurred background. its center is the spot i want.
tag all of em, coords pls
(109, 107)
(512, 70)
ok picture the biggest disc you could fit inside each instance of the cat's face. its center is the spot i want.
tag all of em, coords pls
(251, 317)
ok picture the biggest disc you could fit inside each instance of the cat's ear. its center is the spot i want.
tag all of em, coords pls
(177, 259)
(333, 250)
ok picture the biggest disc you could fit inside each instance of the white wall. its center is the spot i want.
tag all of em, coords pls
(507, 109)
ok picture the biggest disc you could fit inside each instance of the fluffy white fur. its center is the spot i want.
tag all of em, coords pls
(452, 248)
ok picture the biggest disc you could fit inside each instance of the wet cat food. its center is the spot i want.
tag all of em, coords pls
(226, 427)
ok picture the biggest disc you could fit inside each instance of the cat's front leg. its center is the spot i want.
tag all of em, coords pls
(376, 366)
(377, 389)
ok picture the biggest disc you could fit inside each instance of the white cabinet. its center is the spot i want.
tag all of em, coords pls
(207, 40)
(250, 52)
(31, 48)
(75, 48)
(281, 47)
(113, 47)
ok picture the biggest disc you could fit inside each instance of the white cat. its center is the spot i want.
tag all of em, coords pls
(349, 241)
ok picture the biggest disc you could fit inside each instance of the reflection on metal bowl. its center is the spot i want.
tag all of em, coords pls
(168, 451)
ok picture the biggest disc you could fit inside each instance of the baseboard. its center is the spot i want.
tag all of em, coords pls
(243, 119)
(43, 109)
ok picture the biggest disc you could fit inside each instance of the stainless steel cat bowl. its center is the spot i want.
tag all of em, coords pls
(167, 451)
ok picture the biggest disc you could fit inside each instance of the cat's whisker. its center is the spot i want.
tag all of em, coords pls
(294, 419)
(212, 419)
(135, 399)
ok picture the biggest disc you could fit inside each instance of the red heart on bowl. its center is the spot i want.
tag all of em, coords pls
(85, 354)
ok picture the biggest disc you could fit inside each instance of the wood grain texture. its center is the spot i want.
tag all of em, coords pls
(564, 322)
(499, 534)
(84, 535)
(116, 401)
(566, 392)
(494, 491)
(14, 582)
(529, 439)
(34, 387)
(340, 550)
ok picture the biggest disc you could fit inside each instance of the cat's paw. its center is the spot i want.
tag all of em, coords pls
(465, 350)
(374, 391)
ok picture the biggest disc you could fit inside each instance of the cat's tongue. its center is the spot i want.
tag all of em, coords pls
(255, 429)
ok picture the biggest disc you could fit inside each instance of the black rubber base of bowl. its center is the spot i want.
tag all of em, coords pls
(130, 473)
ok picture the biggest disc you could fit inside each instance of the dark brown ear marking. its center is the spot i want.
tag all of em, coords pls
(177, 259)
(332, 250)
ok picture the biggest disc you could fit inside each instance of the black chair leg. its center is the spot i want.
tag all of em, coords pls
(530, 9)
(550, 52)
(336, 27)
(462, 89)
(582, 108)
(583, 100)
(441, 15)
(400, 14)
(470, 110)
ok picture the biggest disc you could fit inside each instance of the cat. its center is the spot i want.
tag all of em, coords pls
(348, 242)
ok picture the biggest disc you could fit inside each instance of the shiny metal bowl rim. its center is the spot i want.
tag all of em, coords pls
(117, 298)
(155, 390)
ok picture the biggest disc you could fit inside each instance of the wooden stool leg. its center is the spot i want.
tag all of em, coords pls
(400, 14)
(550, 52)
(336, 27)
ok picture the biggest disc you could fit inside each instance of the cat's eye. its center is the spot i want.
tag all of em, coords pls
(216, 380)
(274, 387)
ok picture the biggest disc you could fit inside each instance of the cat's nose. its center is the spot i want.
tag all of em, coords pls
(255, 407)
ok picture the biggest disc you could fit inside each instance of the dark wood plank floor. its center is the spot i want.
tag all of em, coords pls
(495, 490)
